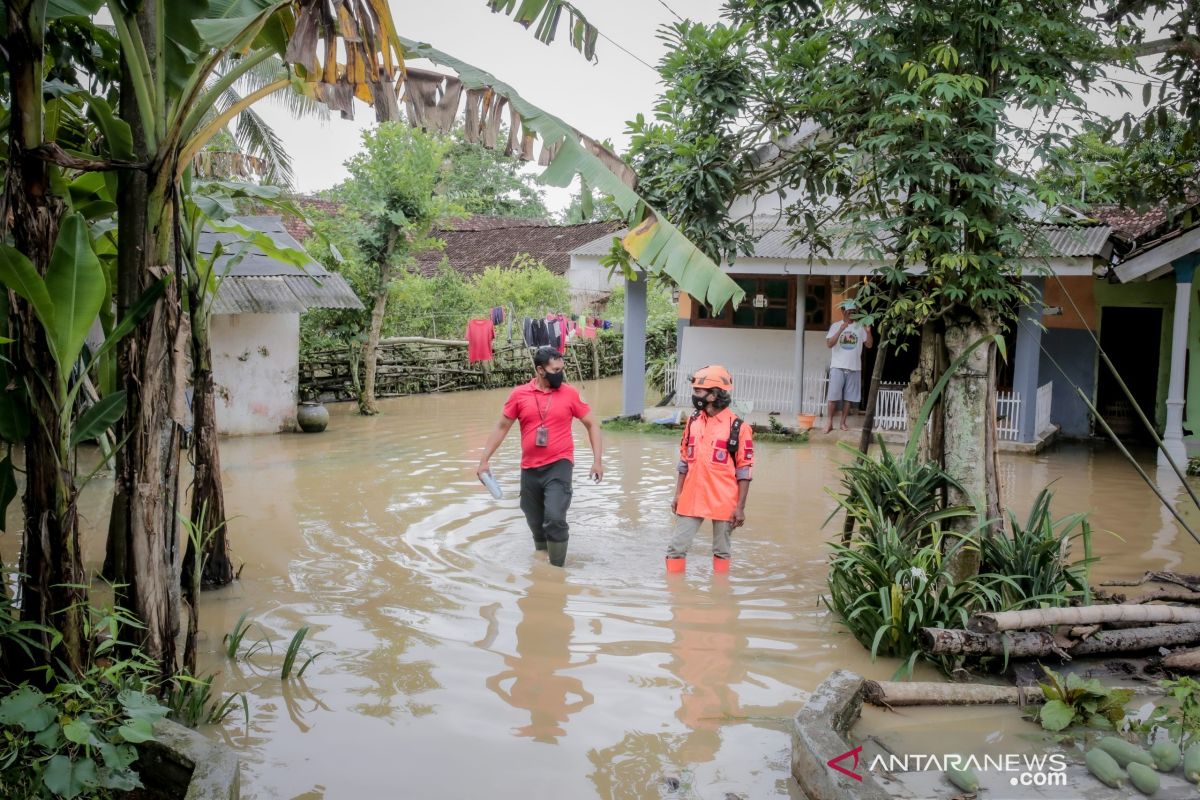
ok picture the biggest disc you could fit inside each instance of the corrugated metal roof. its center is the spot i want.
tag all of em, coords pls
(255, 262)
(777, 241)
(326, 291)
(258, 295)
(259, 284)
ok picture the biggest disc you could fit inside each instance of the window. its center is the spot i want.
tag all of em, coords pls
(817, 301)
(770, 304)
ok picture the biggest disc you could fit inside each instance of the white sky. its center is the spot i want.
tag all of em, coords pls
(595, 98)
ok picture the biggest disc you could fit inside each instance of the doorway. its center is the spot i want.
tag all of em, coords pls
(1131, 337)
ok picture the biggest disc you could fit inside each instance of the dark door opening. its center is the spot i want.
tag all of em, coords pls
(1131, 338)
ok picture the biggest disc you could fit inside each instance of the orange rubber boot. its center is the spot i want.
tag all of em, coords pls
(676, 564)
(720, 564)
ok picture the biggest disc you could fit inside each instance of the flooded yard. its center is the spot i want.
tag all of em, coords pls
(457, 664)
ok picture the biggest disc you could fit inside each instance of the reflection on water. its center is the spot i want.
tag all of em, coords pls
(456, 663)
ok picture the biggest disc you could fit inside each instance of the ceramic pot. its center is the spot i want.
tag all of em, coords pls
(312, 417)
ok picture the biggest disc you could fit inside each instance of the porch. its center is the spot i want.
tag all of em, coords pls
(760, 394)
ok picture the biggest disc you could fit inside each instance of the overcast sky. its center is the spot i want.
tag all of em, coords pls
(597, 98)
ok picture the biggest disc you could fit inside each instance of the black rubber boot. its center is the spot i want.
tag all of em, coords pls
(539, 545)
(558, 553)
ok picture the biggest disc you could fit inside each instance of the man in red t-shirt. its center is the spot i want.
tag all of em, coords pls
(546, 407)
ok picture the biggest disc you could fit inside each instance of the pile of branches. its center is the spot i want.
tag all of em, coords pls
(1159, 618)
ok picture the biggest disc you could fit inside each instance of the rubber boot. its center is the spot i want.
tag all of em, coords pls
(539, 545)
(557, 552)
(676, 564)
(720, 564)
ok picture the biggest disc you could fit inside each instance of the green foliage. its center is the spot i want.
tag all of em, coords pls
(1037, 558)
(1076, 701)
(294, 651)
(484, 181)
(76, 737)
(233, 640)
(192, 702)
(1180, 719)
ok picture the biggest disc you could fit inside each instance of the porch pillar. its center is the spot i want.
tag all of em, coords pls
(1173, 434)
(798, 352)
(633, 356)
(1027, 358)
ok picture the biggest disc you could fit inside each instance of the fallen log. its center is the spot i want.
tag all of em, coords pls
(1170, 595)
(889, 694)
(1035, 644)
(1182, 661)
(1079, 615)
(1186, 580)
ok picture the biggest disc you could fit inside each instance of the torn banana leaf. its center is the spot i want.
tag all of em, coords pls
(656, 244)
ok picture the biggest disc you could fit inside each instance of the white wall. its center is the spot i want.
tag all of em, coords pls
(753, 349)
(256, 364)
(586, 275)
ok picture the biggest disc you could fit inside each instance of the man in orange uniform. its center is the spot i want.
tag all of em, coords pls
(715, 459)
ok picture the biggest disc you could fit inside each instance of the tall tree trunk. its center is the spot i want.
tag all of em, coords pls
(970, 432)
(930, 365)
(150, 367)
(51, 591)
(208, 494)
(366, 399)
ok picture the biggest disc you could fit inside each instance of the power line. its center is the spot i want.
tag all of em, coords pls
(626, 51)
(673, 11)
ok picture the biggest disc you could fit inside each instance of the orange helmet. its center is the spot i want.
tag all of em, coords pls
(712, 377)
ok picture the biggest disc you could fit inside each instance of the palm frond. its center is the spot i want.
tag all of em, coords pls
(298, 104)
(256, 137)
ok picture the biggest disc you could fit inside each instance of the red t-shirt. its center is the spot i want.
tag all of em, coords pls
(480, 333)
(555, 408)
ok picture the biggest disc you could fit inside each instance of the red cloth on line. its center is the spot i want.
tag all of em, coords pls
(562, 342)
(480, 333)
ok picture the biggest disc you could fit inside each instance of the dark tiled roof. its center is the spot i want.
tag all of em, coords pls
(471, 250)
(299, 228)
(1134, 225)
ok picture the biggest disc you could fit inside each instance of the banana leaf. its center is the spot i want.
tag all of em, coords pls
(657, 245)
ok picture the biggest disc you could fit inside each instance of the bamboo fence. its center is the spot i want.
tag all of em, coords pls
(419, 365)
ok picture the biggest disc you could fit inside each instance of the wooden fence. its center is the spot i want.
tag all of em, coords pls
(417, 365)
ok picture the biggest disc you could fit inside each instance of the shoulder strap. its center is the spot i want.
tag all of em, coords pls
(687, 428)
(735, 432)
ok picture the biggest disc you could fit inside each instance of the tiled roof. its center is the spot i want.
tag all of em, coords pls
(494, 243)
(1133, 224)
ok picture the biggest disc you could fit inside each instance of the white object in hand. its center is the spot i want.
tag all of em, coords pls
(489, 481)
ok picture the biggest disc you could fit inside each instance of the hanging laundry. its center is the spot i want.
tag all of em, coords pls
(589, 332)
(562, 331)
(497, 315)
(480, 333)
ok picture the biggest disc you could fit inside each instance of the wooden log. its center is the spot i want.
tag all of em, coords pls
(1183, 661)
(889, 694)
(1171, 595)
(1080, 615)
(1183, 579)
(1034, 644)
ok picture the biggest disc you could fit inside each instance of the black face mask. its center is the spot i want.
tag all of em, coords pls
(700, 401)
(555, 379)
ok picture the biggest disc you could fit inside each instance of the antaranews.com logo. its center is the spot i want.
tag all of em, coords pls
(1029, 770)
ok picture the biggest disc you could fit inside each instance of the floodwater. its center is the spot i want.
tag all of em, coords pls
(456, 663)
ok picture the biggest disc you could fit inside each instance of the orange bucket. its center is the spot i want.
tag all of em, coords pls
(805, 422)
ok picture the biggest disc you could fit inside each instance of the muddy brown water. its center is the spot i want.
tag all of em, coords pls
(457, 664)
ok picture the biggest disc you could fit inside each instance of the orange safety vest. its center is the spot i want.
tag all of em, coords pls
(710, 487)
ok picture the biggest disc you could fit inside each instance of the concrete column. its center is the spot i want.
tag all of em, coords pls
(1027, 358)
(633, 359)
(798, 352)
(1173, 435)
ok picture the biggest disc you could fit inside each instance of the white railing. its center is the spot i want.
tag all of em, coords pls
(767, 390)
(1008, 415)
(1045, 400)
(891, 412)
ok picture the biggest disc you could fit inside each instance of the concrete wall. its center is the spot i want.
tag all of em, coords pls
(256, 361)
(753, 349)
(1075, 352)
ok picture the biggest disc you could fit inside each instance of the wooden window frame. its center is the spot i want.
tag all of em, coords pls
(726, 319)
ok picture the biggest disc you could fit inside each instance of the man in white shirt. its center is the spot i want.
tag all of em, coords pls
(846, 340)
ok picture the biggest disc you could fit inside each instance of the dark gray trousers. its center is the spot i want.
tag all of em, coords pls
(545, 498)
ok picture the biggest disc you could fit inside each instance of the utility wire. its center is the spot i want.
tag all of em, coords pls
(673, 11)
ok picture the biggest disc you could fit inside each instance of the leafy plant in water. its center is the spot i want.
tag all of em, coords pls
(293, 652)
(1078, 701)
(1181, 721)
(77, 737)
(191, 701)
(233, 640)
(1036, 557)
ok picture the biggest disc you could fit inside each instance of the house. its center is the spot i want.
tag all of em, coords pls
(1148, 319)
(255, 329)
(474, 244)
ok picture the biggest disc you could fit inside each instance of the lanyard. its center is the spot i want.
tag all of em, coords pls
(542, 413)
